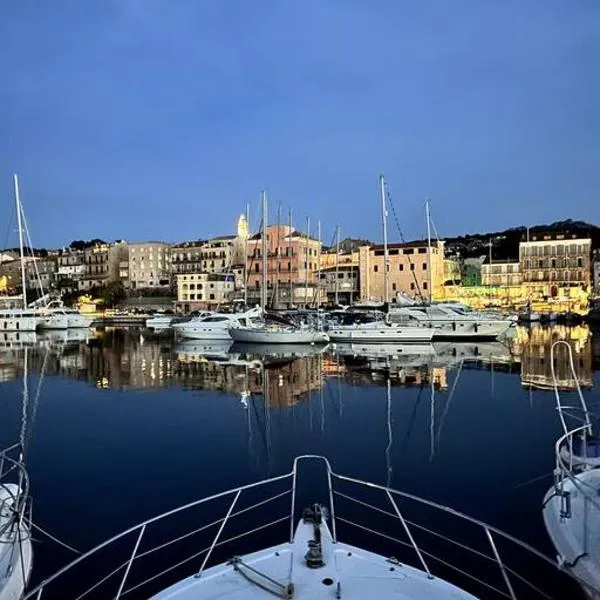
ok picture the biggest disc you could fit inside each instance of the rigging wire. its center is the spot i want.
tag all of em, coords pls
(397, 223)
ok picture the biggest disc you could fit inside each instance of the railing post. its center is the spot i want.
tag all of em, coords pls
(39, 594)
(293, 508)
(131, 559)
(500, 563)
(409, 534)
(199, 574)
(333, 527)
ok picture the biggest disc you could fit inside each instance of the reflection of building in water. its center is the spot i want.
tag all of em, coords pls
(291, 382)
(534, 346)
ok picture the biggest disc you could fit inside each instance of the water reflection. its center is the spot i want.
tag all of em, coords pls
(121, 359)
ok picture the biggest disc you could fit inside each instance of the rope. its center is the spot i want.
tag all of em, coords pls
(397, 222)
(32, 525)
(286, 591)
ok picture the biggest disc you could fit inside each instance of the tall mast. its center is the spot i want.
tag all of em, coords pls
(306, 263)
(337, 263)
(22, 254)
(291, 257)
(246, 255)
(386, 291)
(429, 252)
(277, 256)
(318, 301)
(265, 249)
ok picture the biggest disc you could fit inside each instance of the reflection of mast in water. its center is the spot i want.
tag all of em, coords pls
(310, 407)
(321, 399)
(388, 449)
(38, 391)
(431, 416)
(267, 407)
(449, 401)
(339, 386)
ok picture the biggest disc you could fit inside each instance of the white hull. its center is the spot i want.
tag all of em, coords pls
(380, 333)
(483, 330)
(257, 335)
(391, 351)
(18, 323)
(214, 326)
(159, 323)
(576, 536)
(53, 321)
(79, 321)
(205, 332)
(16, 554)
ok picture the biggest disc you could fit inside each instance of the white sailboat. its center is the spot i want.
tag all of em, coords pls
(19, 319)
(266, 333)
(16, 554)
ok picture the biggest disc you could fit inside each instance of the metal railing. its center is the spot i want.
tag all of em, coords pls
(369, 509)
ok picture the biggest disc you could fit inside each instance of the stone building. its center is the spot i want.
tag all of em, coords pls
(596, 272)
(102, 265)
(552, 264)
(412, 268)
(340, 284)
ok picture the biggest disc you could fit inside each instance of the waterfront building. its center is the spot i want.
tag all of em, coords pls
(412, 268)
(596, 272)
(102, 265)
(70, 268)
(501, 274)
(292, 262)
(341, 284)
(555, 264)
(40, 271)
(149, 265)
(471, 271)
(217, 255)
(201, 291)
(452, 271)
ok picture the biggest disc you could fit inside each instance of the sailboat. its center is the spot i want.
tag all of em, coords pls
(16, 554)
(271, 333)
(571, 507)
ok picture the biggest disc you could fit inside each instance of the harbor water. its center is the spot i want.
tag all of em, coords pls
(120, 425)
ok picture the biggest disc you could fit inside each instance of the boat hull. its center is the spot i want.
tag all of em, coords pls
(54, 322)
(253, 335)
(383, 335)
(202, 332)
(18, 324)
(481, 330)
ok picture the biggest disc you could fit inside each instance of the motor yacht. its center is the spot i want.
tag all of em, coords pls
(215, 326)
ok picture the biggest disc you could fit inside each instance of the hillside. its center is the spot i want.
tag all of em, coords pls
(505, 244)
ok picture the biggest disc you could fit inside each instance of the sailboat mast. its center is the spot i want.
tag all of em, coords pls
(429, 251)
(291, 263)
(337, 263)
(22, 254)
(306, 263)
(246, 255)
(318, 302)
(277, 256)
(386, 291)
(265, 249)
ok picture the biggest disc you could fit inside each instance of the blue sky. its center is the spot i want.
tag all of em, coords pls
(161, 119)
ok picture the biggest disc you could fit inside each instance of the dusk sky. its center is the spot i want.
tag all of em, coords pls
(161, 119)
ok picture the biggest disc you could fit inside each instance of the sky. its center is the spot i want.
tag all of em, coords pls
(162, 119)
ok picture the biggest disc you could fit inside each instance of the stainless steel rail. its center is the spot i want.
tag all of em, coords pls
(395, 498)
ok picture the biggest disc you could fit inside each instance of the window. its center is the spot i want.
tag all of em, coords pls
(192, 296)
(424, 285)
(393, 287)
(424, 266)
(409, 250)
(211, 297)
(580, 262)
(256, 267)
(412, 285)
(289, 266)
(375, 268)
(412, 266)
(422, 250)
(192, 286)
(400, 267)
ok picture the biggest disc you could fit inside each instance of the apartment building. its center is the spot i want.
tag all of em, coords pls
(199, 291)
(292, 259)
(149, 265)
(596, 272)
(501, 274)
(552, 264)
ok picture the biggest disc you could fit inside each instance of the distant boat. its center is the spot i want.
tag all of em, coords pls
(215, 326)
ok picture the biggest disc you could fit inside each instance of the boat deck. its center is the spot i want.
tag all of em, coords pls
(348, 572)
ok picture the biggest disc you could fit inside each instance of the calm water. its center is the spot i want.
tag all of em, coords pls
(121, 426)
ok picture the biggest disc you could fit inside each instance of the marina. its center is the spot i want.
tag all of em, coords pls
(418, 415)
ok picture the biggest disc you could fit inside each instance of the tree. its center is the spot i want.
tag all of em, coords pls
(113, 293)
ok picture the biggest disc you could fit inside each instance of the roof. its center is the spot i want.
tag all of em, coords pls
(412, 244)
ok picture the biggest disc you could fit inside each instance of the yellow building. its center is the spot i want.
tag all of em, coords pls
(555, 265)
(412, 268)
(501, 274)
(198, 291)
